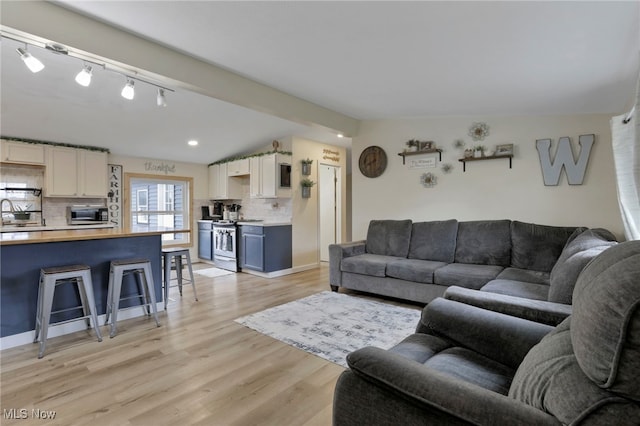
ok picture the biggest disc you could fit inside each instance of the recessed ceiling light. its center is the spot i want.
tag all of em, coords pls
(340, 135)
(193, 142)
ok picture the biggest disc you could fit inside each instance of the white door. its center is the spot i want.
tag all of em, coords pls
(330, 208)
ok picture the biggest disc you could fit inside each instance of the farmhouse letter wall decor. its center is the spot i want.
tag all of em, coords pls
(575, 171)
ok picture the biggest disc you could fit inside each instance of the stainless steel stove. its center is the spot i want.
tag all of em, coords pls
(225, 245)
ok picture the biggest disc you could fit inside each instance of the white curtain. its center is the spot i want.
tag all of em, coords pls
(625, 134)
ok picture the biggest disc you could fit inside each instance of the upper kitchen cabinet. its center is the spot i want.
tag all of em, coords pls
(266, 180)
(238, 167)
(21, 152)
(71, 172)
(221, 185)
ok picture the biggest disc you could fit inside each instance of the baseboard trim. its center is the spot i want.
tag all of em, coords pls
(70, 327)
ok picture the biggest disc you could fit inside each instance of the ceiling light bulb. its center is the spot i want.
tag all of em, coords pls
(127, 91)
(340, 135)
(161, 100)
(193, 142)
(30, 61)
(84, 77)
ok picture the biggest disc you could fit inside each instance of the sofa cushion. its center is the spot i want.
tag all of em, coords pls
(420, 271)
(550, 379)
(465, 275)
(517, 288)
(575, 256)
(472, 367)
(484, 242)
(605, 326)
(389, 237)
(537, 247)
(526, 275)
(367, 264)
(434, 240)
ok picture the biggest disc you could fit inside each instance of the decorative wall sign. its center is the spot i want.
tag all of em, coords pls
(422, 163)
(331, 155)
(479, 131)
(114, 196)
(160, 167)
(575, 171)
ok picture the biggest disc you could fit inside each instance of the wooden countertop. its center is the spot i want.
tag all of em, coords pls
(32, 237)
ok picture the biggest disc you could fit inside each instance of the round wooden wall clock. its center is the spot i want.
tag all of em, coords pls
(373, 161)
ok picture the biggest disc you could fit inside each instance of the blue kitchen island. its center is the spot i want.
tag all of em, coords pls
(22, 254)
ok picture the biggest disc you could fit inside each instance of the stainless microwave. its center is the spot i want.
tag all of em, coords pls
(87, 215)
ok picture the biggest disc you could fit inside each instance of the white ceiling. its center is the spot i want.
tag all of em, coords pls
(367, 60)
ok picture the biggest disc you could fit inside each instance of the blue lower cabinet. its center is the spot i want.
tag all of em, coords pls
(265, 248)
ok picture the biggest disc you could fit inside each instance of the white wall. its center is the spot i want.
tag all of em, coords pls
(305, 214)
(488, 189)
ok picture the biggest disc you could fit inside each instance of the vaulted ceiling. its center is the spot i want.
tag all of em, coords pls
(330, 64)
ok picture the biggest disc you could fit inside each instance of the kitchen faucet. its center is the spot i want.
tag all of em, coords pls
(10, 205)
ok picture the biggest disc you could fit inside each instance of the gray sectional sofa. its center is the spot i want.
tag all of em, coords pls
(519, 268)
(466, 365)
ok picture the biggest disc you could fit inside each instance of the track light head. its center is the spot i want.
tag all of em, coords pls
(161, 100)
(30, 61)
(128, 91)
(84, 77)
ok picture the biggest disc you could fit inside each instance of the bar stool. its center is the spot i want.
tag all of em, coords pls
(144, 278)
(50, 279)
(174, 254)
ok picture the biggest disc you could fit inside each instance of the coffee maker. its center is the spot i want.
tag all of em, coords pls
(212, 212)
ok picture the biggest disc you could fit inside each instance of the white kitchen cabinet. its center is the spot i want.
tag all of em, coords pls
(221, 185)
(238, 167)
(265, 177)
(71, 172)
(22, 153)
(92, 174)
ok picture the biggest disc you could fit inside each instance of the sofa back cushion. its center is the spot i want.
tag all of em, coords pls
(574, 257)
(484, 242)
(550, 379)
(434, 240)
(389, 237)
(537, 247)
(605, 330)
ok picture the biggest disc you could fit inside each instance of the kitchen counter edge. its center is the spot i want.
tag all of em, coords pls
(34, 237)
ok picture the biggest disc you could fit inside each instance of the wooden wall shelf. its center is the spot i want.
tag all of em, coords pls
(464, 161)
(423, 152)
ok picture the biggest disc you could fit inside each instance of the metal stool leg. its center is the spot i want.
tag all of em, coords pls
(193, 282)
(167, 277)
(151, 292)
(47, 302)
(39, 307)
(115, 300)
(87, 290)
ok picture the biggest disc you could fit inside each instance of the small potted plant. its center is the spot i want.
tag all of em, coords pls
(306, 167)
(478, 151)
(412, 145)
(306, 187)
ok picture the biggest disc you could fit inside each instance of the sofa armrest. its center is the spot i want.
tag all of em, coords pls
(504, 338)
(549, 313)
(432, 389)
(337, 252)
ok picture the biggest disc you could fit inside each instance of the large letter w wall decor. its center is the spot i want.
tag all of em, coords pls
(564, 158)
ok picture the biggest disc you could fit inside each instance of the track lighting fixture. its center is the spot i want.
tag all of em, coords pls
(84, 77)
(30, 61)
(161, 100)
(128, 91)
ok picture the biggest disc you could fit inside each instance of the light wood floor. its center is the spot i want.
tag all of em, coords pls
(198, 368)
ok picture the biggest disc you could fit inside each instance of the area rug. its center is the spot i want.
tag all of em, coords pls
(212, 272)
(331, 325)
